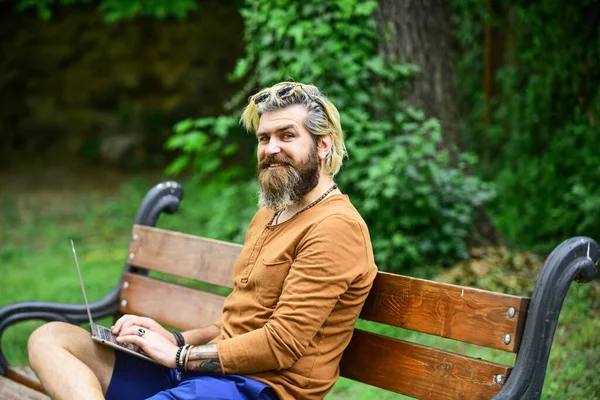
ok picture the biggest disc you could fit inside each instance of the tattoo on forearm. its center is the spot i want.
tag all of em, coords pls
(204, 359)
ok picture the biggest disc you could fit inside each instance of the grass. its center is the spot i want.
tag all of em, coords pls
(36, 264)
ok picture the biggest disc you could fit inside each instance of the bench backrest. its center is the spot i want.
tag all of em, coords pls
(466, 314)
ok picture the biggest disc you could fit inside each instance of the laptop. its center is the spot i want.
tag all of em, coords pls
(102, 334)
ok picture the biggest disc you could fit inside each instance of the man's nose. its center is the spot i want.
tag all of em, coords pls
(273, 147)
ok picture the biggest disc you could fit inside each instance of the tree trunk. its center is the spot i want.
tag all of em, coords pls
(419, 33)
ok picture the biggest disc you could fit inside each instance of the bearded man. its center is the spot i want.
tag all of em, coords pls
(299, 284)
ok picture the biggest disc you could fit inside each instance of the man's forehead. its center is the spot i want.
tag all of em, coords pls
(292, 117)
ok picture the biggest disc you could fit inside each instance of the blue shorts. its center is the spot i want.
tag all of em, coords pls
(134, 378)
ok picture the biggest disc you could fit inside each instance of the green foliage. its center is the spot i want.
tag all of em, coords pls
(541, 145)
(205, 145)
(116, 10)
(419, 209)
(418, 206)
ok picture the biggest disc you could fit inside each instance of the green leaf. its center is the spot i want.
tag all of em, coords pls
(222, 125)
(297, 33)
(184, 126)
(230, 149)
(241, 68)
(178, 165)
(366, 8)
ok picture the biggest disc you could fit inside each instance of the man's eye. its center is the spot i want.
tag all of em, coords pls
(263, 139)
(287, 136)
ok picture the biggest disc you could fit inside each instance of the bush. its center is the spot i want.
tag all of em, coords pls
(541, 145)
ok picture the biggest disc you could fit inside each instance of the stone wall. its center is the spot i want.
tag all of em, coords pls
(110, 92)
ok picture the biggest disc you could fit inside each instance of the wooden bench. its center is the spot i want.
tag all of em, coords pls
(493, 320)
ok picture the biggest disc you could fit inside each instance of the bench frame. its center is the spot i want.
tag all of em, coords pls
(575, 259)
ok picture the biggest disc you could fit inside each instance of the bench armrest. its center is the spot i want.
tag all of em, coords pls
(573, 260)
(164, 197)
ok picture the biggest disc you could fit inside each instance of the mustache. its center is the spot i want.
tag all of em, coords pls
(282, 159)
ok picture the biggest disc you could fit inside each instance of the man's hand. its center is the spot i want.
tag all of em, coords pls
(127, 321)
(154, 344)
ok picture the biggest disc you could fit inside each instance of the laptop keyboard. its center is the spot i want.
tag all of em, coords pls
(106, 334)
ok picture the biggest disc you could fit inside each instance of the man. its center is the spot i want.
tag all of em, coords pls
(299, 284)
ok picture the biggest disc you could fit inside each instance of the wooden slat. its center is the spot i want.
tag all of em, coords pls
(13, 390)
(183, 255)
(26, 371)
(418, 371)
(169, 303)
(456, 312)
(24, 376)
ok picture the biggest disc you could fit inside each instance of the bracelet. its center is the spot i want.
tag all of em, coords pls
(177, 356)
(187, 355)
(181, 356)
(182, 352)
(179, 339)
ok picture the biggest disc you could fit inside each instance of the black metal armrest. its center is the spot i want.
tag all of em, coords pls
(164, 197)
(573, 260)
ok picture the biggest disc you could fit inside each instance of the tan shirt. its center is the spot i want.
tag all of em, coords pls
(299, 287)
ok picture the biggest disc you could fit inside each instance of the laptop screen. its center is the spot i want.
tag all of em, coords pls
(87, 306)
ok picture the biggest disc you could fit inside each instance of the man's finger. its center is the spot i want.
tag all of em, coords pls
(117, 326)
(134, 330)
(125, 322)
(128, 323)
(131, 339)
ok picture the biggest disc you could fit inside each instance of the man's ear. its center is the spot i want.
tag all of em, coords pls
(325, 145)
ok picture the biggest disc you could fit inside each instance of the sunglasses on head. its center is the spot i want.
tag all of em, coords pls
(284, 92)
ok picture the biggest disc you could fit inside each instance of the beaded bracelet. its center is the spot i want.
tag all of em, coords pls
(177, 362)
(181, 353)
(179, 339)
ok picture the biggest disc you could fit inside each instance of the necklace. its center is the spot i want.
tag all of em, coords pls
(275, 219)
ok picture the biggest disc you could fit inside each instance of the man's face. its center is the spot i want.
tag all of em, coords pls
(288, 160)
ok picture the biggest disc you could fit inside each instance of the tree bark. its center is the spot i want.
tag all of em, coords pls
(418, 32)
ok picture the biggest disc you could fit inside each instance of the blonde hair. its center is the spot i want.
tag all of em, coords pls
(322, 118)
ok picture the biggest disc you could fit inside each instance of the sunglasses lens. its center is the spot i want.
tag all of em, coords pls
(262, 98)
(286, 91)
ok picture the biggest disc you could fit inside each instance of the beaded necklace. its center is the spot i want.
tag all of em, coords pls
(275, 219)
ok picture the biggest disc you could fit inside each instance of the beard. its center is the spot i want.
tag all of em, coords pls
(286, 186)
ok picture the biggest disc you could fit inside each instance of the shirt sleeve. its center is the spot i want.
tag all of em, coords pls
(331, 256)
